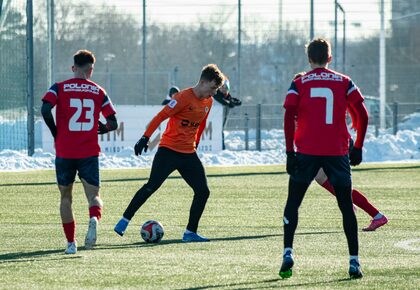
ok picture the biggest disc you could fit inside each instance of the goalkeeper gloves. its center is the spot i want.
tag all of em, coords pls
(355, 156)
(291, 163)
(141, 145)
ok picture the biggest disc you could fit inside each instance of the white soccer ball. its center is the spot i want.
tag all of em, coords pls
(152, 231)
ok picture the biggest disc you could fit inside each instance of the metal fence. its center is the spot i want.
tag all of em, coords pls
(15, 90)
(253, 120)
(143, 47)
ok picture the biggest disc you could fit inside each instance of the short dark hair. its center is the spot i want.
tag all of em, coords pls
(83, 57)
(173, 90)
(212, 73)
(318, 50)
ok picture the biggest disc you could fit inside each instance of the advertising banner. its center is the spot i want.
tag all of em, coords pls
(132, 122)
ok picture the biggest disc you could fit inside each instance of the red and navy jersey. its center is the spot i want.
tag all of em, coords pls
(79, 103)
(321, 97)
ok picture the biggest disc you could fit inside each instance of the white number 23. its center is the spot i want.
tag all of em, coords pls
(74, 125)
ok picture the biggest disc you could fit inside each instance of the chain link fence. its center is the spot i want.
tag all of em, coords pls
(144, 47)
(13, 72)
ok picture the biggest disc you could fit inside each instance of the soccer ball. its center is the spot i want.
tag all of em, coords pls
(152, 231)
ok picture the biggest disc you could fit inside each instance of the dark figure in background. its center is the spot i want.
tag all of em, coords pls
(172, 91)
(223, 97)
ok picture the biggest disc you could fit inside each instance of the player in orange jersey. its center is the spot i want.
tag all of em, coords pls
(187, 113)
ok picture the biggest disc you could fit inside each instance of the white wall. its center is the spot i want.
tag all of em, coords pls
(132, 122)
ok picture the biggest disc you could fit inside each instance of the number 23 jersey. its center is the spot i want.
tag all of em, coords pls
(321, 97)
(78, 105)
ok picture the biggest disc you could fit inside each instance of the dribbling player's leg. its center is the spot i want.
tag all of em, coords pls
(194, 174)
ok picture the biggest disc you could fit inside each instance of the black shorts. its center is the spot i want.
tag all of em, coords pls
(188, 165)
(87, 168)
(337, 168)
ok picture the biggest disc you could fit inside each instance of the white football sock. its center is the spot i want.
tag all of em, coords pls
(287, 249)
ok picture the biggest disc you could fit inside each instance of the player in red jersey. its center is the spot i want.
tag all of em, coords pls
(315, 123)
(187, 113)
(359, 199)
(79, 103)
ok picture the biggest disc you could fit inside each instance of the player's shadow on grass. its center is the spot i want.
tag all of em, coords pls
(212, 175)
(212, 240)
(179, 241)
(267, 284)
(33, 256)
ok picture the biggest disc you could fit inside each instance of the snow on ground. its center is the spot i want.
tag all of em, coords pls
(404, 146)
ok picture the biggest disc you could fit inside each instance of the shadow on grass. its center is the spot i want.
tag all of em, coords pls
(179, 241)
(146, 178)
(33, 256)
(268, 283)
(212, 176)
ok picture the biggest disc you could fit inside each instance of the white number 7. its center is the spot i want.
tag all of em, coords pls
(81, 126)
(328, 95)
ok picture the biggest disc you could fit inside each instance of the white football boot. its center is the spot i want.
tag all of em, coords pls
(90, 240)
(71, 248)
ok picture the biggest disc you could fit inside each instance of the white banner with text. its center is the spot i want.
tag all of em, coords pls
(132, 122)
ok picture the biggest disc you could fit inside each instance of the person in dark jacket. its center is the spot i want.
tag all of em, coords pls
(223, 97)
(172, 91)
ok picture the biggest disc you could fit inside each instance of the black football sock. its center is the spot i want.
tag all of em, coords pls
(290, 218)
(343, 194)
(137, 201)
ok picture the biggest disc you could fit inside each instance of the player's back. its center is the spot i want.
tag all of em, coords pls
(79, 102)
(321, 96)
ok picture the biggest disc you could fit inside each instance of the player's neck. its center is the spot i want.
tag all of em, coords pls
(80, 75)
(197, 92)
(315, 66)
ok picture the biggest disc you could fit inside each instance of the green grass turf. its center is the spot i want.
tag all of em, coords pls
(243, 218)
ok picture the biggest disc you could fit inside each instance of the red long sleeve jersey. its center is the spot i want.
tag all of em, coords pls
(79, 103)
(320, 99)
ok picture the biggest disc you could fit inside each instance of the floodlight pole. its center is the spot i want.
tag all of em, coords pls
(339, 6)
(51, 37)
(238, 73)
(30, 77)
(312, 32)
(382, 70)
(144, 54)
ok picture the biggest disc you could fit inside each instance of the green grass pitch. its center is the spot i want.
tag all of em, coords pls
(243, 219)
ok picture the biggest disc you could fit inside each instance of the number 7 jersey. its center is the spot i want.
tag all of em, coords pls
(78, 105)
(321, 97)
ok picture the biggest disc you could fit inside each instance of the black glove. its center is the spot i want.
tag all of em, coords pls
(102, 128)
(141, 145)
(235, 101)
(291, 163)
(355, 156)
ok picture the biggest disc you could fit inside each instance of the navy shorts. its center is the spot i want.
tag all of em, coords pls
(337, 168)
(87, 168)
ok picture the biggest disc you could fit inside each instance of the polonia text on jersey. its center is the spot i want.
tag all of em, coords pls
(74, 87)
(323, 76)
